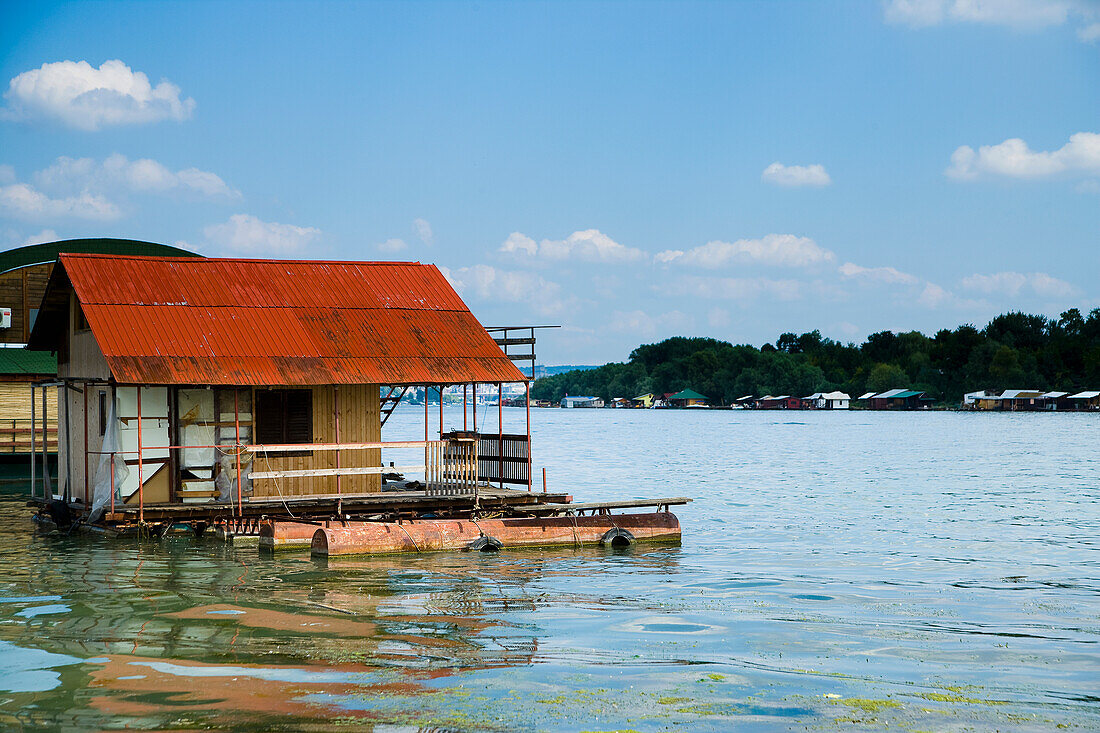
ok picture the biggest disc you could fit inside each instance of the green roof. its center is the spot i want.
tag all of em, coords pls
(687, 394)
(906, 395)
(22, 361)
(34, 254)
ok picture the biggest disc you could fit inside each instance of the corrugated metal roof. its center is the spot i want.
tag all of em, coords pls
(1087, 395)
(281, 322)
(1021, 394)
(687, 394)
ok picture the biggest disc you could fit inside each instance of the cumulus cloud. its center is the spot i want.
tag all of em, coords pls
(643, 325)
(392, 245)
(118, 173)
(23, 201)
(79, 95)
(1013, 283)
(733, 288)
(423, 231)
(247, 235)
(46, 235)
(783, 250)
(485, 282)
(889, 275)
(1014, 159)
(796, 175)
(933, 296)
(1020, 14)
(588, 245)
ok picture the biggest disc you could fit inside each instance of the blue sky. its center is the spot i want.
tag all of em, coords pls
(628, 170)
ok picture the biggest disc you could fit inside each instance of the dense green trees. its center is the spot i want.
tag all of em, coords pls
(1015, 350)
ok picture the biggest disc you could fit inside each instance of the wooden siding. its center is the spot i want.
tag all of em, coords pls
(359, 423)
(15, 416)
(22, 290)
(84, 359)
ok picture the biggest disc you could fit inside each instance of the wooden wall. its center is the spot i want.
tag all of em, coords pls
(360, 422)
(21, 290)
(85, 358)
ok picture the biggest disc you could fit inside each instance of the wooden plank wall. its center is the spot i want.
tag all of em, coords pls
(15, 417)
(21, 290)
(360, 422)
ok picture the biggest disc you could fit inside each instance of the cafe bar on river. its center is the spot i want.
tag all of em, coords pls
(250, 395)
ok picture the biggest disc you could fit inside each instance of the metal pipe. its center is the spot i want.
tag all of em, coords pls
(426, 449)
(47, 487)
(336, 412)
(441, 412)
(500, 431)
(544, 479)
(85, 448)
(464, 408)
(34, 444)
(141, 457)
(237, 424)
(112, 483)
(473, 387)
(527, 404)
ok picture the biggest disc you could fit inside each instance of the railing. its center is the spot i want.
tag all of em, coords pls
(451, 466)
(504, 458)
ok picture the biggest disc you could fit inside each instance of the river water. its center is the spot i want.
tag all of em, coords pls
(855, 570)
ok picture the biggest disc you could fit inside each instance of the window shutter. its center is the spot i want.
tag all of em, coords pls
(299, 416)
(269, 417)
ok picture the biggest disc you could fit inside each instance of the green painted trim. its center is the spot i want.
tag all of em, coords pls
(35, 254)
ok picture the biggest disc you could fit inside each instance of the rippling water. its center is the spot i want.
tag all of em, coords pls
(931, 571)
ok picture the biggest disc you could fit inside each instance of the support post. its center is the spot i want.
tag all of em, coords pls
(85, 448)
(527, 405)
(544, 479)
(112, 482)
(34, 444)
(47, 486)
(473, 387)
(237, 425)
(464, 407)
(336, 415)
(500, 431)
(441, 412)
(426, 455)
(141, 461)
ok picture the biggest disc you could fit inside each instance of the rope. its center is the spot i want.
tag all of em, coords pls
(409, 536)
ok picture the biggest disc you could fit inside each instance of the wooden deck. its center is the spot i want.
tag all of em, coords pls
(392, 503)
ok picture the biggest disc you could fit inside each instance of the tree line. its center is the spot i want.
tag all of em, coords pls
(1014, 350)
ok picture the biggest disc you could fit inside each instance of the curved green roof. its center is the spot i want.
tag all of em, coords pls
(35, 254)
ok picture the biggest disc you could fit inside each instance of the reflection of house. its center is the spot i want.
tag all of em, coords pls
(182, 367)
(896, 399)
(827, 401)
(687, 398)
(782, 402)
(581, 401)
(1088, 400)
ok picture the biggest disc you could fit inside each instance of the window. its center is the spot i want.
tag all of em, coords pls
(81, 320)
(102, 412)
(284, 416)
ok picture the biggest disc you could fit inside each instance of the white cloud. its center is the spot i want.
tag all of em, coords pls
(485, 282)
(392, 245)
(588, 245)
(82, 96)
(423, 230)
(641, 324)
(246, 235)
(1020, 14)
(1012, 283)
(796, 175)
(7, 175)
(785, 250)
(46, 235)
(117, 172)
(1014, 159)
(933, 296)
(888, 275)
(24, 201)
(733, 288)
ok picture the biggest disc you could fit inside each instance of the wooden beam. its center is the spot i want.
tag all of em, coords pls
(349, 471)
(286, 448)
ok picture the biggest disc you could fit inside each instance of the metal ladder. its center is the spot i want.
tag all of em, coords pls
(389, 401)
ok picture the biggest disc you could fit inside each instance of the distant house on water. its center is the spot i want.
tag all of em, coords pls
(687, 398)
(827, 401)
(581, 401)
(897, 399)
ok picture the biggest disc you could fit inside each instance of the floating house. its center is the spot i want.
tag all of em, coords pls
(687, 398)
(827, 401)
(1056, 401)
(782, 402)
(896, 399)
(743, 403)
(1087, 400)
(645, 400)
(250, 395)
(581, 401)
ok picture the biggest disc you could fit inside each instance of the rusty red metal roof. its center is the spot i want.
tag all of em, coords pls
(161, 320)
